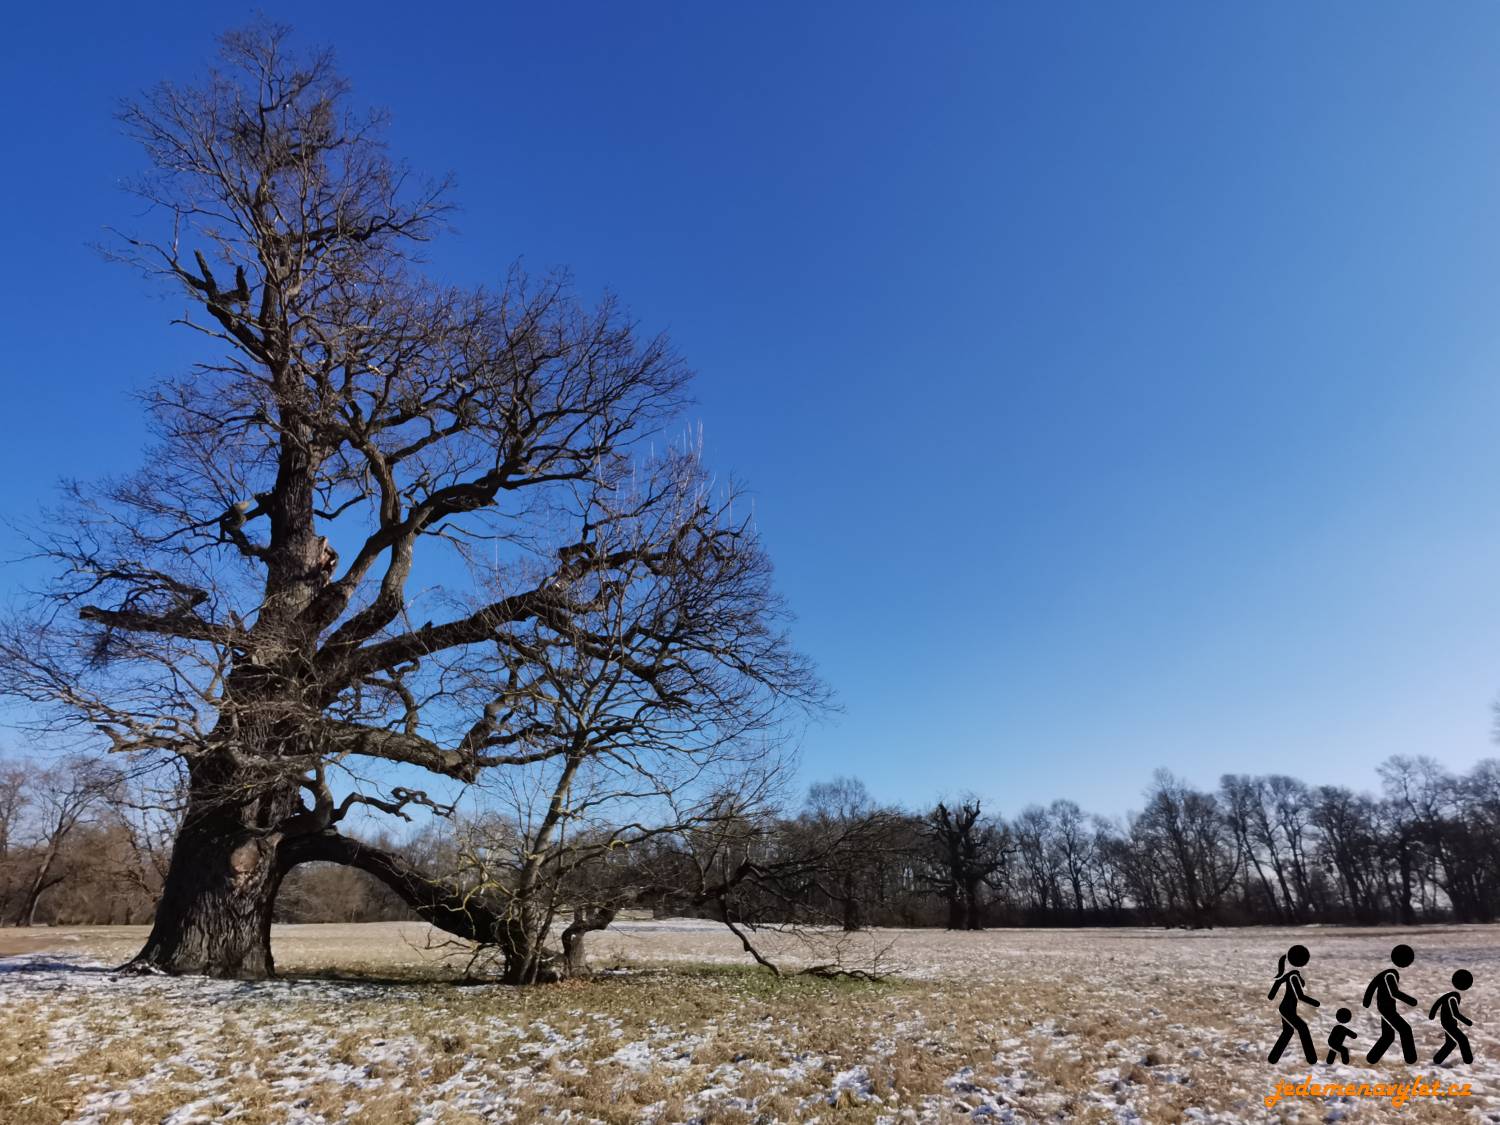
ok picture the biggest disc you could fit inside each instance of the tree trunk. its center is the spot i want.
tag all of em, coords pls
(26, 916)
(214, 916)
(1408, 915)
(574, 962)
(973, 919)
(526, 958)
(955, 912)
(851, 918)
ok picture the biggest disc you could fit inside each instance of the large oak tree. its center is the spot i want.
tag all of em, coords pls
(392, 530)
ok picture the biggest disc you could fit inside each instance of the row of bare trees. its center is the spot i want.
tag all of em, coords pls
(1258, 849)
(84, 842)
(81, 842)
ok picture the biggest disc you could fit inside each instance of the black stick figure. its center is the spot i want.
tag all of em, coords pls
(1447, 1013)
(1339, 1036)
(1385, 990)
(1291, 995)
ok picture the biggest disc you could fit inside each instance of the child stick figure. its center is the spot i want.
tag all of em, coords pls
(1385, 990)
(1339, 1036)
(1446, 1012)
(1291, 1022)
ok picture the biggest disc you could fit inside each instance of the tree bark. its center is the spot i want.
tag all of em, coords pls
(955, 911)
(851, 920)
(972, 917)
(214, 916)
(575, 962)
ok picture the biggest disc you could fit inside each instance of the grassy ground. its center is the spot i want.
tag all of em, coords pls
(368, 1025)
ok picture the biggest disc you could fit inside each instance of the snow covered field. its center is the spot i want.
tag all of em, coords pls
(1032, 1025)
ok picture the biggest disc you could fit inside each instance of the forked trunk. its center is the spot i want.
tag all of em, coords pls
(26, 916)
(524, 955)
(574, 961)
(228, 861)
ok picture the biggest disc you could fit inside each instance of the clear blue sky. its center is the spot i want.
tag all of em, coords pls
(1119, 383)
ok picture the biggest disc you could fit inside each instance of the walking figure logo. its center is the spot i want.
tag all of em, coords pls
(1385, 990)
(1384, 993)
(1337, 1052)
(1290, 981)
(1451, 1017)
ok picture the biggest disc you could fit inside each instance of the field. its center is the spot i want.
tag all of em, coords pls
(369, 1025)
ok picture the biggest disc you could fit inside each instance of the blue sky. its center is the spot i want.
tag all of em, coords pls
(1117, 383)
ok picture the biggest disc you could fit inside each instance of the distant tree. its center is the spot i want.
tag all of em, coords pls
(1479, 820)
(1107, 868)
(13, 798)
(1240, 800)
(62, 798)
(966, 851)
(1348, 826)
(856, 838)
(1073, 844)
(1195, 844)
(328, 892)
(1036, 857)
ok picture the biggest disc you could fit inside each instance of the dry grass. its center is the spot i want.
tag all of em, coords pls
(1008, 1025)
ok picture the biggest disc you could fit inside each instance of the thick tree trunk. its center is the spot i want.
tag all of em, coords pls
(851, 920)
(214, 917)
(525, 957)
(955, 912)
(973, 919)
(575, 962)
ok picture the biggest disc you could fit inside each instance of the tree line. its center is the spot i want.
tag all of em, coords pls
(82, 842)
(1256, 850)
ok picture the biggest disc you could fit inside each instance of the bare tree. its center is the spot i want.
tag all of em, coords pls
(1073, 842)
(13, 799)
(1195, 843)
(842, 810)
(62, 798)
(966, 853)
(1347, 824)
(388, 524)
(1033, 832)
